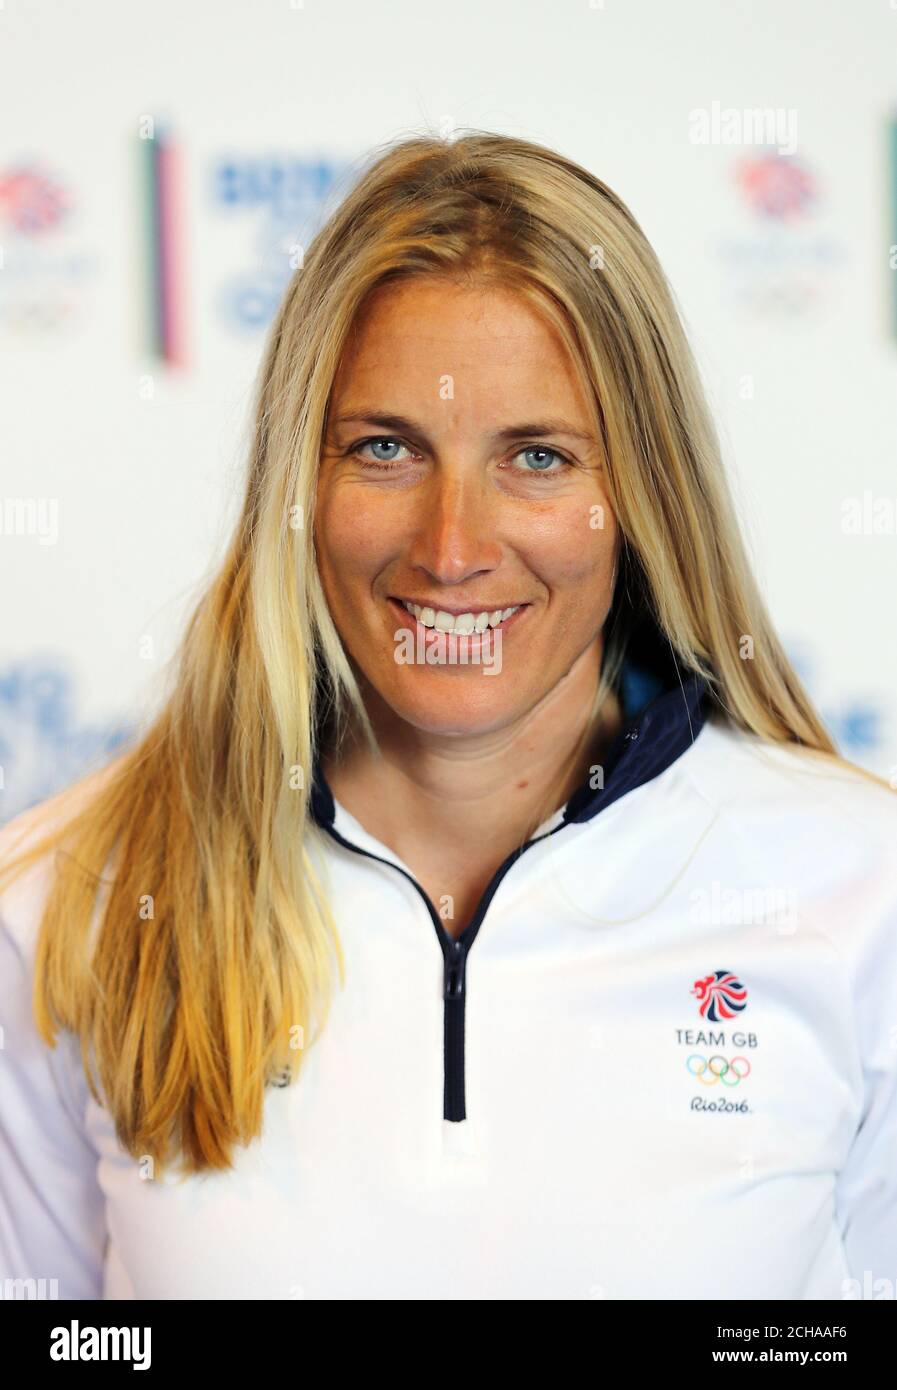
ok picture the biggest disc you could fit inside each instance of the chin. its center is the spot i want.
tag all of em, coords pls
(456, 714)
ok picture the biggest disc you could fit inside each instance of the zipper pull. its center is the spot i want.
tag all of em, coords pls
(455, 957)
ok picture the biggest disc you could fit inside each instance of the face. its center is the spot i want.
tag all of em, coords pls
(461, 474)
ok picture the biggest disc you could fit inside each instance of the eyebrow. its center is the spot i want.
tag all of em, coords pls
(402, 424)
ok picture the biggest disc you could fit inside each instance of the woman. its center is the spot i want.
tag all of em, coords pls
(487, 911)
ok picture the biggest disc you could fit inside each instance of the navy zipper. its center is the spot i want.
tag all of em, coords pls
(455, 951)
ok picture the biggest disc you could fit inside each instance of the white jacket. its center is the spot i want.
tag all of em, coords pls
(661, 1064)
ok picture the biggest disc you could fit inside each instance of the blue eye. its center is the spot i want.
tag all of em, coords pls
(544, 467)
(375, 441)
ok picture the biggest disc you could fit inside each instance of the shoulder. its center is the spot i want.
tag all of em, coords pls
(732, 766)
(802, 819)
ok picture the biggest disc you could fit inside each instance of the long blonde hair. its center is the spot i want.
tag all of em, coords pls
(186, 938)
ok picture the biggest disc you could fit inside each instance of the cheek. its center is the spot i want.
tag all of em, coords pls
(574, 547)
(352, 540)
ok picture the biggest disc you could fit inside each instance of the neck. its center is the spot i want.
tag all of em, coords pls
(464, 791)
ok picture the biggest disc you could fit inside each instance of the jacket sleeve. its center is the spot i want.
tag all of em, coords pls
(52, 1211)
(866, 1193)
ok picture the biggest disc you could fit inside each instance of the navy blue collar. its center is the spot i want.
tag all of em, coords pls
(658, 729)
(662, 720)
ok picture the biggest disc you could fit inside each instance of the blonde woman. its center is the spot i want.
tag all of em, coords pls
(487, 912)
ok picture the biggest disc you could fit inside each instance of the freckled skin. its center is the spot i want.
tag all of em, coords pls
(461, 517)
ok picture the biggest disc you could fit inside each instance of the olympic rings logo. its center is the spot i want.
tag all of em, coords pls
(718, 1069)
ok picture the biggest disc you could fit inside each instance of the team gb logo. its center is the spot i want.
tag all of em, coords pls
(720, 996)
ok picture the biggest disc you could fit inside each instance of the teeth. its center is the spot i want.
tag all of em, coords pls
(461, 623)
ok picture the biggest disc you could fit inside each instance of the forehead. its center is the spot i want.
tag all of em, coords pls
(414, 329)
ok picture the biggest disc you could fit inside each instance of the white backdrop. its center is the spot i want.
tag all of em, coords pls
(122, 471)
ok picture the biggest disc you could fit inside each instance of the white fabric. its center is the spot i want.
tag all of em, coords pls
(582, 1170)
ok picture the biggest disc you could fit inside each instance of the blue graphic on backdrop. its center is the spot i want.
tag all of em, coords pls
(43, 746)
(856, 724)
(287, 196)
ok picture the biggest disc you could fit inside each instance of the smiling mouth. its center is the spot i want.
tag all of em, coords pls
(471, 623)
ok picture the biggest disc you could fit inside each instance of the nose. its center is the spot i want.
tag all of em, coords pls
(454, 528)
